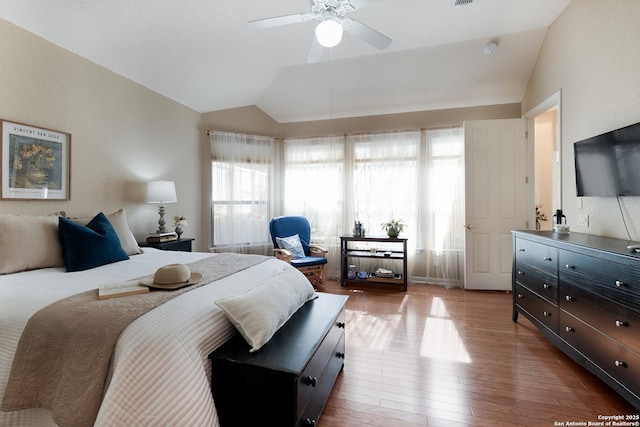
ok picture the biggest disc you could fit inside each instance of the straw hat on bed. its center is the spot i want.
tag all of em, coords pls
(171, 276)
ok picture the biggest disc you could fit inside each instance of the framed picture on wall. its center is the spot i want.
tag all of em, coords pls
(35, 162)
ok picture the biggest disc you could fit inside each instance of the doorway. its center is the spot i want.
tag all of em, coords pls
(545, 168)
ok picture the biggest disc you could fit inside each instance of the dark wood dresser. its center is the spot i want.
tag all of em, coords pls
(286, 382)
(583, 292)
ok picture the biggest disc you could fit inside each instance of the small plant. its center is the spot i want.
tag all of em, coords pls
(180, 221)
(393, 227)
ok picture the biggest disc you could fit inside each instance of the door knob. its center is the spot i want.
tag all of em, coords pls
(470, 227)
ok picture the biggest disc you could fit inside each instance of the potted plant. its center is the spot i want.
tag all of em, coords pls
(393, 227)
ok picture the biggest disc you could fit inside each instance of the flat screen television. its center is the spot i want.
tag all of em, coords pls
(609, 164)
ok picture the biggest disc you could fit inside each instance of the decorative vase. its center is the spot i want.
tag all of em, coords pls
(393, 232)
(179, 231)
(38, 176)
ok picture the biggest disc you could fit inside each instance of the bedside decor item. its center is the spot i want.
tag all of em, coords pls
(393, 227)
(180, 223)
(161, 192)
(35, 162)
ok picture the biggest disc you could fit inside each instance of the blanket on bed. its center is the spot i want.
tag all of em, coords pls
(62, 360)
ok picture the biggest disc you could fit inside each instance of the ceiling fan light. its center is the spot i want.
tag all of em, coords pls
(329, 33)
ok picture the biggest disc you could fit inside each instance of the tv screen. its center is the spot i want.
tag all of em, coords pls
(609, 164)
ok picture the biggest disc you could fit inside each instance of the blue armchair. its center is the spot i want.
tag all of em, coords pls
(308, 258)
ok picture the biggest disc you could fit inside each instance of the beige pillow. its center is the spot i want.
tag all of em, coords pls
(259, 313)
(118, 220)
(28, 243)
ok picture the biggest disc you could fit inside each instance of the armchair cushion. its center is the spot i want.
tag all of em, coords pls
(284, 226)
(291, 244)
(308, 261)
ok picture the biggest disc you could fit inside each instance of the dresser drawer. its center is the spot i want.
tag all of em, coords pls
(542, 310)
(543, 284)
(612, 319)
(616, 360)
(322, 389)
(540, 256)
(615, 281)
(312, 376)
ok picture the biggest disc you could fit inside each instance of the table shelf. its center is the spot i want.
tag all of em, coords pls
(349, 249)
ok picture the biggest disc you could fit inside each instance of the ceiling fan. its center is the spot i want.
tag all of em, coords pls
(330, 15)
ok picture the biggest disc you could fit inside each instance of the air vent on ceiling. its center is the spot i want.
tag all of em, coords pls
(462, 2)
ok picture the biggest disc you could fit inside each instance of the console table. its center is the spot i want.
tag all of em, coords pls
(583, 293)
(349, 249)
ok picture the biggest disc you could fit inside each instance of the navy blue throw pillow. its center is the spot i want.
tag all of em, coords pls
(93, 245)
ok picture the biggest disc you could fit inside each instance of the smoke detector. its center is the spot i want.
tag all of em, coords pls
(491, 48)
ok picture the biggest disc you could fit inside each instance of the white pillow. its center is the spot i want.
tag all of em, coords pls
(118, 220)
(28, 243)
(292, 244)
(259, 313)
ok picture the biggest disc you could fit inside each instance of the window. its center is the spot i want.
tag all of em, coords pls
(241, 181)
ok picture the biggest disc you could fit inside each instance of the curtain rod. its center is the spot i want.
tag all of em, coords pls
(208, 132)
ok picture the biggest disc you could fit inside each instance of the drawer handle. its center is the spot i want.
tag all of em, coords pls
(310, 381)
(310, 423)
(619, 283)
(546, 313)
(544, 285)
(569, 298)
(520, 296)
(569, 329)
(340, 355)
(570, 267)
(620, 323)
(520, 273)
(340, 325)
(620, 364)
(546, 258)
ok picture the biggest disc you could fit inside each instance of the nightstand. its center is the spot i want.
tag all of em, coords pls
(183, 245)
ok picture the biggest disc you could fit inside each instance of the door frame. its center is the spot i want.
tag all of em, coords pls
(555, 100)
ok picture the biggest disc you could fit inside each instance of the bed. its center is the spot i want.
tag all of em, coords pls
(159, 373)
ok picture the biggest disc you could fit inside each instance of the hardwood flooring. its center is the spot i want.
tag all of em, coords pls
(449, 357)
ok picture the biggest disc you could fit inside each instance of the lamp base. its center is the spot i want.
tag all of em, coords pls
(161, 222)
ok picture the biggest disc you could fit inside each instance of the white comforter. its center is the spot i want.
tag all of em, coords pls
(160, 369)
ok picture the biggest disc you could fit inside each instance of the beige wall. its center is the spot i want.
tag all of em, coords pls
(591, 54)
(123, 135)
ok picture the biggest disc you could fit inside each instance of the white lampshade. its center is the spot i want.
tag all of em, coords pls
(161, 192)
(329, 32)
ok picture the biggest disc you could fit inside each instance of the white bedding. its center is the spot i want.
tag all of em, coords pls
(160, 369)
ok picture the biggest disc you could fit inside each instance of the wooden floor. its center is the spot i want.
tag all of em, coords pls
(450, 357)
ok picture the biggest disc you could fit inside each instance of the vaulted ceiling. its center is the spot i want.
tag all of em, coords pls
(202, 54)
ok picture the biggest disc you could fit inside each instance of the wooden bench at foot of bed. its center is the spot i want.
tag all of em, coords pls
(286, 382)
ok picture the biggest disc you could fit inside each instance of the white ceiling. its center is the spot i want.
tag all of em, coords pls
(201, 53)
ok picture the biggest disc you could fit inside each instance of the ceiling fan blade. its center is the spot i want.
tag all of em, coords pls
(315, 51)
(278, 21)
(359, 4)
(368, 34)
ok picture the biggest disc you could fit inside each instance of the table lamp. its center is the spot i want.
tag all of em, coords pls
(161, 192)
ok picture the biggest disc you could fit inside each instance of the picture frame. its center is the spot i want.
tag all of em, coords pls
(36, 162)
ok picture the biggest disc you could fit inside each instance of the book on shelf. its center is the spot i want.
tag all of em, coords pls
(383, 272)
(121, 290)
(162, 237)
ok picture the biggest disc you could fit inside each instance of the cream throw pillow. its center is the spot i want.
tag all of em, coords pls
(259, 313)
(28, 243)
(118, 220)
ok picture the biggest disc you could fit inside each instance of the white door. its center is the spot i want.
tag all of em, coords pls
(495, 199)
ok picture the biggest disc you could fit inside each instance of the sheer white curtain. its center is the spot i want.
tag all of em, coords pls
(313, 185)
(385, 185)
(443, 218)
(241, 192)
